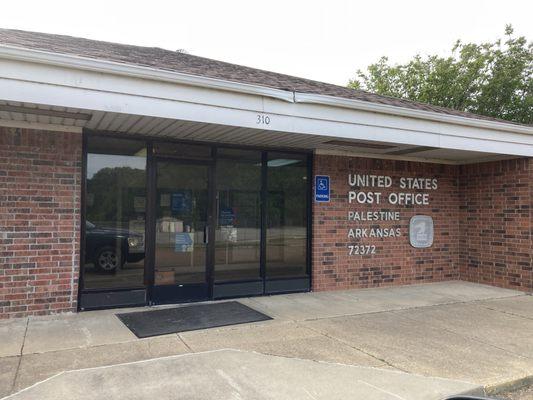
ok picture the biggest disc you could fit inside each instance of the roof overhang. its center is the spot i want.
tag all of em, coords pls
(112, 92)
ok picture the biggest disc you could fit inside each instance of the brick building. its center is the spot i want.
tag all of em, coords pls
(133, 176)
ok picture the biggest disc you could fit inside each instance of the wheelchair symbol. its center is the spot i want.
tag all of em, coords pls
(322, 184)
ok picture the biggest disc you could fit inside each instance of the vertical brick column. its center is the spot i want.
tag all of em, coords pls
(40, 188)
(496, 226)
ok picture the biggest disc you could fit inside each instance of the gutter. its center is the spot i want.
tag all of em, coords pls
(409, 112)
(142, 72)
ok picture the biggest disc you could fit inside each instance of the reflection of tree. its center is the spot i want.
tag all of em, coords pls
(239, 188)
(287, 196)
(113, 191)
(239, 185)
(189, 181)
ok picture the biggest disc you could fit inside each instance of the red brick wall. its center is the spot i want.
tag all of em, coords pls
(482, 216)
(396, 262)
(40, 181)
(496, 227)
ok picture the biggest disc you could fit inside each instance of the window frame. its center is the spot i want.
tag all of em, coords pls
(150, 167)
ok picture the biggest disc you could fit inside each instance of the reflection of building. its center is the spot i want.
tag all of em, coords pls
(188, 193)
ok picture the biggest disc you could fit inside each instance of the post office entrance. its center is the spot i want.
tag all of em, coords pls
(169, 222)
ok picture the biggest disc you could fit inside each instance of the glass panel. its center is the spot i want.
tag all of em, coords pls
(181, 150)
(181, 221)
(238, 229)
(115, 213)
(286, 236)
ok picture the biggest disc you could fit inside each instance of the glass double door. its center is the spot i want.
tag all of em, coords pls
(207, 229)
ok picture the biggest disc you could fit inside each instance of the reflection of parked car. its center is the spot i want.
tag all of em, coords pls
(110, 248)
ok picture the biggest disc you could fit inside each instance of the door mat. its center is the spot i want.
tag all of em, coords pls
(189, 318)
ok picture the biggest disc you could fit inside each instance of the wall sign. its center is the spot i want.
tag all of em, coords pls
(321, 188)
(376, 202)
(421, 231)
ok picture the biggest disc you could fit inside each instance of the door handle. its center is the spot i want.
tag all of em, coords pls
(206, 234)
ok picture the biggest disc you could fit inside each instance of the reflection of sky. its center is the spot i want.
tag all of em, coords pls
(96, 162)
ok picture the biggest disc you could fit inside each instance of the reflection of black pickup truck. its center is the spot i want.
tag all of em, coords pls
(110, 248)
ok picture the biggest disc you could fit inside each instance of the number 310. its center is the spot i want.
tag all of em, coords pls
(263, 119)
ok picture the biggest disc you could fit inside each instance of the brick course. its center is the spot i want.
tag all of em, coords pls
(40, 187)
(496, 227)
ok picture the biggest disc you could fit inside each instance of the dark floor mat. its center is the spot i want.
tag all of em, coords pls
(189, 318)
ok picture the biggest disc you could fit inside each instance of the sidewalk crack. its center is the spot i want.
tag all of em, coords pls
(508, 313)
(184, 343)
(406, 308)
(473, 338)
(20, 357)
(389, 364)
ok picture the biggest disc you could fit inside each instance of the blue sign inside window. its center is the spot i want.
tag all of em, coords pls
(321, 188)
(226, 216)
(181, 202)
(183, 242)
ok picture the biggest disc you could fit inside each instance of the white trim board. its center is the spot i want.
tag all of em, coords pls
(49, 80)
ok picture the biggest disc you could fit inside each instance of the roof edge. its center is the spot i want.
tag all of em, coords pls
(124, 69)
(137, 71)
(409, 112)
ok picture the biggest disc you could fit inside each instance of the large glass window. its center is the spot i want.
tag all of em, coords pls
(286, 215)
(255, 202)
(238, 227)
(115, 213)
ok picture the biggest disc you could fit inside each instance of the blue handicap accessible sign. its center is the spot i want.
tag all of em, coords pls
(183, 242)
(321, 188)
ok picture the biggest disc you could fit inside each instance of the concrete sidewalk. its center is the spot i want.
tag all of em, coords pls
(455, 330)
(233, 374)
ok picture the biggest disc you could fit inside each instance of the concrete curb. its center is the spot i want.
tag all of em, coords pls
(509, 386)
(478, 391)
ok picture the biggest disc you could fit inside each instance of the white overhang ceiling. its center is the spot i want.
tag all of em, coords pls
(19, 114)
